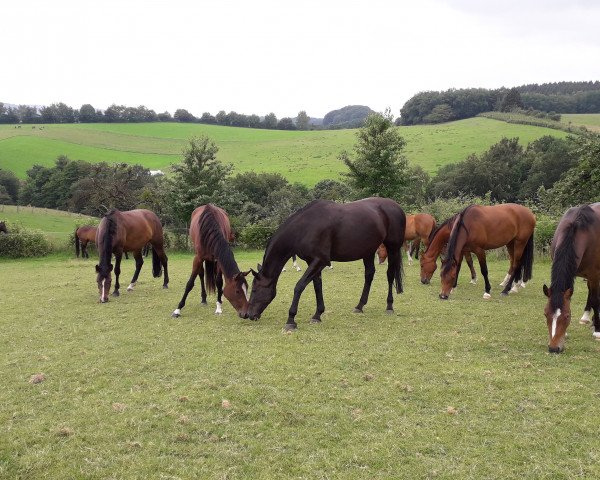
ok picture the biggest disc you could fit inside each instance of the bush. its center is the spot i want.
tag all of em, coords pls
(443, 208)
(21, 243)
(544, 232)
(177, 240)
(256, 236)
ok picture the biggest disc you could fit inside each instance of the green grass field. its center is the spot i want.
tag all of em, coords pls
(589, 120)
(56, 225)
(456, 389)
(306, 157)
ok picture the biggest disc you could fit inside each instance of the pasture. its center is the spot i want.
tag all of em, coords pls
(589, 120)
(303, 156)
(458, 389)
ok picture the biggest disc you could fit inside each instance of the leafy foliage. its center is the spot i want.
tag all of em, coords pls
(351, 116)
(21, 243)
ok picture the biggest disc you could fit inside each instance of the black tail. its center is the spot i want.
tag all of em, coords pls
(156, 265)
(76, 244)
(527, 260)
(210, 275)
(398, 274)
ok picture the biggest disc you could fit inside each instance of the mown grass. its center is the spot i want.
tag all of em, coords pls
(456, 389)
(306, 157)
(588, 120)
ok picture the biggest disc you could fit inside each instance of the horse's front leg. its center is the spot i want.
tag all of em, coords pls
(314, 268)
(369, 263)
(139, 261)
(188, 287)
(484, 272)
(118, 257)
(219, 285)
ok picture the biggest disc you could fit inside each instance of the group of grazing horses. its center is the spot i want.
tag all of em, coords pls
(355, 231)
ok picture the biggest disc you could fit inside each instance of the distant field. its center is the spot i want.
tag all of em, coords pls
(301, 156)
(55, 224)
(590, 120)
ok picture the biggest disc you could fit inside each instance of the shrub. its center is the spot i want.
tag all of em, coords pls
(544, 232)
(256, 235)
(20, 243)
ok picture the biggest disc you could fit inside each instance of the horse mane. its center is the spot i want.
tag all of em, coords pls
(213, 241)
(435, 231)
(564, 266)
(109, 232)
(452, 241)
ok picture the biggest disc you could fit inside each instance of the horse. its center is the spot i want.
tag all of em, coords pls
(3, 228)
(437, 243)
(294, 264)
(120, 232)
(325, 231)
(84, 235)
(575, 251)
(478, 228)
(210, 232)
(418, 228)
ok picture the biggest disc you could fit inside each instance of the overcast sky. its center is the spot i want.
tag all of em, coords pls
(279, 56)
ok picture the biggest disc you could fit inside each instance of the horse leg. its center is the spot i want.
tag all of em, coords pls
(469, 260)
(595, 304)
(393, 261)
(188, 287)
(314, 268)
(510, 247)
(587, 311)
(202, 287)
(408, 249)
(139, 261)
(458, 272)
(484, 272)
(369, 263)
(118, 257)
(318, 284)
(219, 285)
(516, 269)
(84, 253)
(416, 247)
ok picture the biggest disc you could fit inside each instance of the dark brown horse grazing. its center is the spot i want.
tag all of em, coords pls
(210, 232)
(575, 252)
(3, 228)
(323, 231)
(479, 228)
(128, 231)
(418, 228)
(438, 241)
(84, 235)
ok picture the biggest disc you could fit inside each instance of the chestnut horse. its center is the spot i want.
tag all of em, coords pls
(323, 231)
(479, 228)
(120, 232)
(84, 235)
(438, 241)
(3, 228)
(418, 228)
(575, 251)
(210, 232)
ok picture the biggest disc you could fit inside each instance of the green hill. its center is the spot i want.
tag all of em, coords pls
(304, 156)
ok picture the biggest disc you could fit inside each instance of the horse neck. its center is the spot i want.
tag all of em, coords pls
(279, 251)
(439, 241)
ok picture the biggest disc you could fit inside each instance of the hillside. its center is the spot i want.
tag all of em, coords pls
(303, 156)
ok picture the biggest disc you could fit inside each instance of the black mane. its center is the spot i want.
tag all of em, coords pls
(213, 241)
(109, 232)
(435, 231)
(454, 238)
(564, 266)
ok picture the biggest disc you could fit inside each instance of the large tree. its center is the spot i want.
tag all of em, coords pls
(379, 166)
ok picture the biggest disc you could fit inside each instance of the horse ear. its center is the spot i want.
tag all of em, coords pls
(546, 290)
(97, 268)
(245, 274)
(254, 273)
(258, 266)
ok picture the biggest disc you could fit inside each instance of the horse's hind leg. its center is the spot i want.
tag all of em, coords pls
(159, 258)
(393, 265)
(84, 253)
(188, 287)
(369, 263)
(516, 267)
(318, 284)
(484, 272)
(587, 312)
(219, 285)
(469, 259)
(594, 299)
(202, 287)
(510, 247)
(118, 257)
(139, 261)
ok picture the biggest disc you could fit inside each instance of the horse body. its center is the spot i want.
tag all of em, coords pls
(331, 232)
(437, 243)
(3, 228)
(84, 235)
(575, 251)
(130, 231)
(479, 228)
(210, 232)
(418, 229)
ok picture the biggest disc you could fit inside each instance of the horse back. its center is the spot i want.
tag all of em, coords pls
(497, 225)
(222, 219)
(135, 228)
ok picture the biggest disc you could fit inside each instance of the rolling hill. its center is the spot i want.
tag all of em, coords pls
(303, 156)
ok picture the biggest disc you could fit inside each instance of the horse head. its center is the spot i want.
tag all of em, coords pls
(236, 291)
(104, 280)
(448, 276)
(428, 267)
(264, 290)
(557, 319)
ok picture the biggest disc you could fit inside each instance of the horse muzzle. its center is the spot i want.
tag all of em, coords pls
(425, 281)
(443, 296)
(555, 349)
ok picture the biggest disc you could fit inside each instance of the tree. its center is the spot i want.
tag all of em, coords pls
(379, 166)
(286, 123)
(87, 114)
(270, 121)
(302, 120)
(208, 118)
(114, 113)
(182, 115)
(198, 179)
(10, 184)
(511, 101)
(165, 117)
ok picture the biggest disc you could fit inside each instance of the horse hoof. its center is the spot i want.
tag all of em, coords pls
(473, 282)
(165, 287)
(596, 335)
(487, 296)
(390, 311)
(357, 310)
(315, 320)
(116, 293)
(175, 315)
(204, 304)
(504, 294)
(290, 327)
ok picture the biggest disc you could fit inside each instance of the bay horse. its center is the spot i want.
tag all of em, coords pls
(324, 231)
(418, 229)
(478, 228)
(3, 228)
(437, 243)
(210, 232)
(575, 251)
(120, 232)
(83, 236)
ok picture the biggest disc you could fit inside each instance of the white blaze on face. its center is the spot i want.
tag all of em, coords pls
(103, 289)
(554, 321)
(245, 290)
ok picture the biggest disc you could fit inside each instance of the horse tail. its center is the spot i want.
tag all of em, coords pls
(210, 275)
(527, 260)
(398, 275)
(156, 265)
(77, 248)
